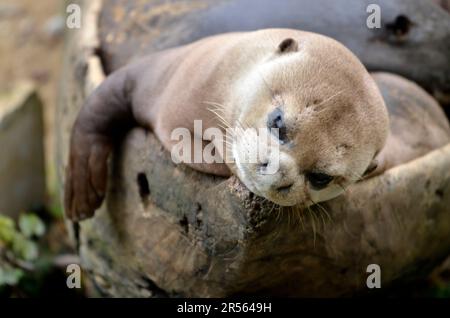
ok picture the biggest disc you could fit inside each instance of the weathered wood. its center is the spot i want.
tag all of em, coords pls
(129, 29)
(194, 235)
(166, 230)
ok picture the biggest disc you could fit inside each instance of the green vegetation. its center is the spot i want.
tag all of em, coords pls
(27, 261)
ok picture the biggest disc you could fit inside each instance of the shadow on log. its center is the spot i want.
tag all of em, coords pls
(166, 230)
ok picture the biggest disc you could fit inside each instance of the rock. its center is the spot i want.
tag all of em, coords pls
(22, 176)
(444, 4)
(9, 10)
(40, 76)
(54, 27)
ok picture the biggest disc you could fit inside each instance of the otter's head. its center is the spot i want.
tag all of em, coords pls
(324, 118)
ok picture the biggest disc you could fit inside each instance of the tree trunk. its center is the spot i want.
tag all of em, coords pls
(166, 230)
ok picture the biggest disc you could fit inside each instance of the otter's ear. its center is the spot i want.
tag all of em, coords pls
(371, 168)
(288, 45)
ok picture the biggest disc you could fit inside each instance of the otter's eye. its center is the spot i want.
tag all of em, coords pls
(276, 121)
(318, 180)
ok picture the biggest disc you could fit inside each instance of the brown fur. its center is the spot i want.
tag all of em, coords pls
(417, 122)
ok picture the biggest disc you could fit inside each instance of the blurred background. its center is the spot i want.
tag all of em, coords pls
(34, 245)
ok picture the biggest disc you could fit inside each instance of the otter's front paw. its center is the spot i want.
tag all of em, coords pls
(86, 175)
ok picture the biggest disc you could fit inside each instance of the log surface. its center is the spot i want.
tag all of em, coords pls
(166, 230)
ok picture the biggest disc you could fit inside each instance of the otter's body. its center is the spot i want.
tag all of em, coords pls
(418, 124)
(328, 109)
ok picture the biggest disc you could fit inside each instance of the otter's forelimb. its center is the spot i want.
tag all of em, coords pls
(106, 115)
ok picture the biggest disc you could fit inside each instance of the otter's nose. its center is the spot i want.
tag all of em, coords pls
(284, 189)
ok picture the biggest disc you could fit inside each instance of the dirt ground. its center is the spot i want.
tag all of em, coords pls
(31, 37)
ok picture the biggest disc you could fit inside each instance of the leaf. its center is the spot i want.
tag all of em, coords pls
(25, 249)
(30, 224)
(10, 276)
(6, 221)
(30, 251)
(7, 229)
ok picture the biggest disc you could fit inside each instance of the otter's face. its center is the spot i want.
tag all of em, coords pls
(320, 126)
